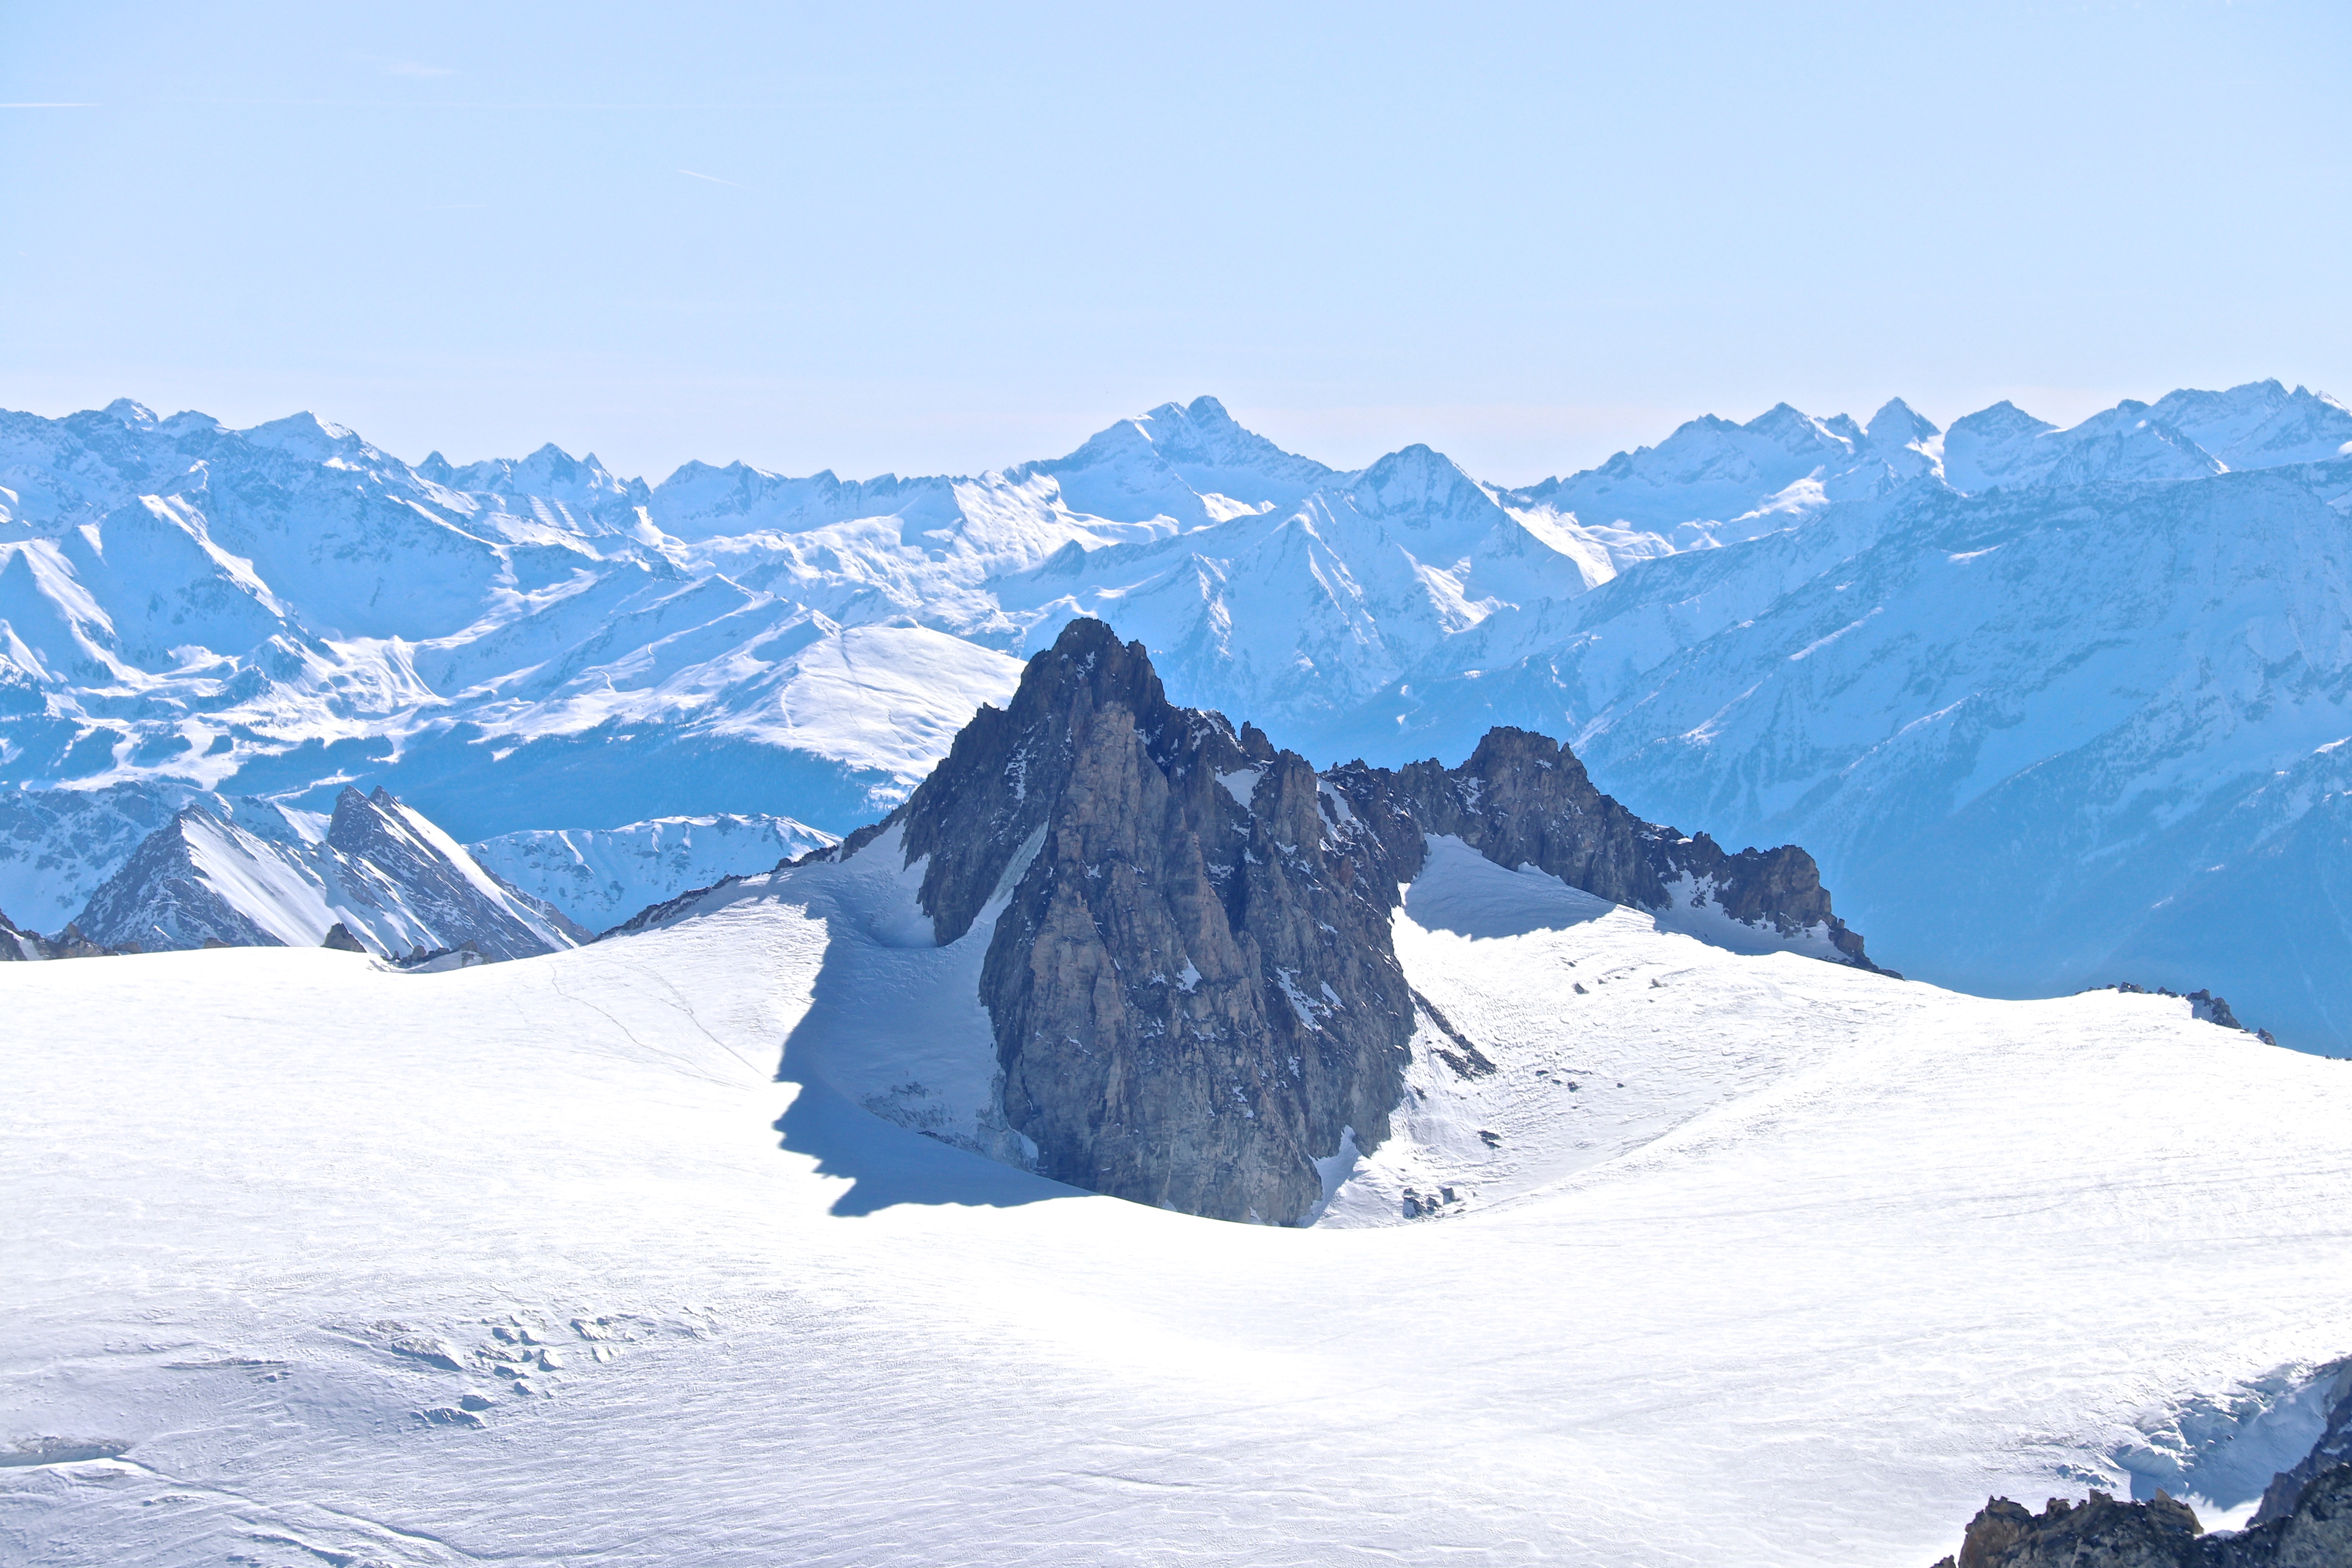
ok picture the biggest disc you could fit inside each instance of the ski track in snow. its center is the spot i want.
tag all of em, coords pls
(1842, 1257)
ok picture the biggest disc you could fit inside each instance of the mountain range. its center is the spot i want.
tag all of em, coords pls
(2051, 707)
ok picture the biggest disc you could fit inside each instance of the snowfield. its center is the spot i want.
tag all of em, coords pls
(1748, 1259)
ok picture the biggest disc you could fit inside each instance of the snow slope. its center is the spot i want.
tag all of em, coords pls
(600, 876)
(1841, 1257)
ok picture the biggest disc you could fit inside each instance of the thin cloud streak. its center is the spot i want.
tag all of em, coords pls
(400, 103)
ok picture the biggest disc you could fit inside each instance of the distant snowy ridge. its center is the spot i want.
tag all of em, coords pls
(601, 877)
(538, 644)
(249, 873)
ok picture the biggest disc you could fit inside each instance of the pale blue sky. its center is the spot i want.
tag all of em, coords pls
(947, 238)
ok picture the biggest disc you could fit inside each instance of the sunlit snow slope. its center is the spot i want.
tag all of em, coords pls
(312, 1261)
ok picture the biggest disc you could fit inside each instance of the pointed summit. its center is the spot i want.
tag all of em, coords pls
(1896, 423)
(1421, 488)
(1179, 450)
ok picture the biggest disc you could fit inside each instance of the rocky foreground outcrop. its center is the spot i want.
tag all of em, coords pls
(2305, 1520)
(2101, 1532)
(17, 945)
(1190, 976)
(2332, 1450)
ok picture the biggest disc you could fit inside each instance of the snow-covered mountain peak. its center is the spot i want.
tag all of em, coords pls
(1421, 488)
(2260, 424)
(550, 472)
(1712, 482)
(1896, 423)
(1191, 462)
(2002, 448)
(1990, 447)
(1803, 435)
(252, 872)
(1201, 433)
(307, 436)
(133, 415)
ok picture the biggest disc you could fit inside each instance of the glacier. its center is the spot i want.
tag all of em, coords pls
(2051, 706)
(1732, 1257)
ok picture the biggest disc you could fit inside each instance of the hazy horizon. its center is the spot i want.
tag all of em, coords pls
(924, 241)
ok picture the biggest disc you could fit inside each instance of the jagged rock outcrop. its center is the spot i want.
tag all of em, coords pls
(1192, 981)
(2202, 1004)
(2332, 1449)
(2101, 1532)
(18, 945)
(250, 874)
(1523, 799)
(1190, 976)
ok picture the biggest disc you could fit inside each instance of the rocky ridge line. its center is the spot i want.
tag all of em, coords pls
(1190, 977)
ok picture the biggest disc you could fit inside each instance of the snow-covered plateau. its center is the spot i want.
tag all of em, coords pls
(1734, 1258)
(2051, 707)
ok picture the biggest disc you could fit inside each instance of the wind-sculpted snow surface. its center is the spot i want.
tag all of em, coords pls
(1719, 1258)
(2084, 680)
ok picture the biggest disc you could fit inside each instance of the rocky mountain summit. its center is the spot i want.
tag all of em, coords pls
(1190, 976)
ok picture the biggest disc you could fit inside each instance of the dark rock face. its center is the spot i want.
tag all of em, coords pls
(340, 938)
(1190, 977)
(1192, 995)
(1523, 799)
(2161, 1533)
(158, 899)
(2332, 1449)
(18, 946)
